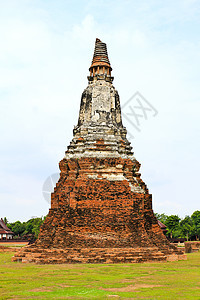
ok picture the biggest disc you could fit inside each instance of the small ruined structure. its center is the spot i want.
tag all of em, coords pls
(101, 210)
(192, 246)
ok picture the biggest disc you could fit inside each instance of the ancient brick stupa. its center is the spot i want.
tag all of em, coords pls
(101, 210)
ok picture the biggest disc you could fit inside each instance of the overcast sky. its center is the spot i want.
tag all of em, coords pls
(46, 48)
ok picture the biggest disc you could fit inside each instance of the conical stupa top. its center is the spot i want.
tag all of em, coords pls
(100, 58)
(100, 118)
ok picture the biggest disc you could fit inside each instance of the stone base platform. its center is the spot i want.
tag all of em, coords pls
(94, 255)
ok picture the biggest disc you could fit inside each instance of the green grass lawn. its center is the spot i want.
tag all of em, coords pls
(13, 245)
(170, 280)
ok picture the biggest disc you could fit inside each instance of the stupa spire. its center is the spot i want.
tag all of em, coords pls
(100, 63)
(100, 114)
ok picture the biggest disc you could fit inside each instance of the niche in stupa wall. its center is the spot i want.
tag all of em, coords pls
(101, 100)
(88, 107)
(118, 109)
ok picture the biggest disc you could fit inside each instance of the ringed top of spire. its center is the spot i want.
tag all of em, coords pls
(100, 57)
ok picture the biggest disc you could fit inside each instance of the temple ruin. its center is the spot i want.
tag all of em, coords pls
(101, 210)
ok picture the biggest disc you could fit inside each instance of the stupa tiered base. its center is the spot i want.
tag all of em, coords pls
(98, 217)
(101, 210)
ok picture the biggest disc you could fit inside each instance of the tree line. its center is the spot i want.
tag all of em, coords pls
(25, 230)
(188, 228)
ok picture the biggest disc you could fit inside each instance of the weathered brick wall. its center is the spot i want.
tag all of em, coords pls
(100, 204)
(192, 246)
(87, 212)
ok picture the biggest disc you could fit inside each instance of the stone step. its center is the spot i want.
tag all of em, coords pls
(93, 255)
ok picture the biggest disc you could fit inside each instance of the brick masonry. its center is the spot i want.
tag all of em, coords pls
(101, 210)
(99, 220)
(192, 246)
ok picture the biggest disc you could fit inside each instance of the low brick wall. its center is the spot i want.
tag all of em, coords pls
(193, 246)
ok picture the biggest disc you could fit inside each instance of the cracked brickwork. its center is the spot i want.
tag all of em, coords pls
(101, 210)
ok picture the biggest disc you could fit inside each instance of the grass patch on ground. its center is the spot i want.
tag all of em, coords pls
(12, 246)
(169, 280)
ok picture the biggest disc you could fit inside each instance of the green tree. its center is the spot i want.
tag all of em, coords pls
(5, 220)
(36, 230)
(29, 229)
(177, 232)
(17, 227)
(172, 223)
(196, 221)
(33, 226)
(187, 227)
(161, 217)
